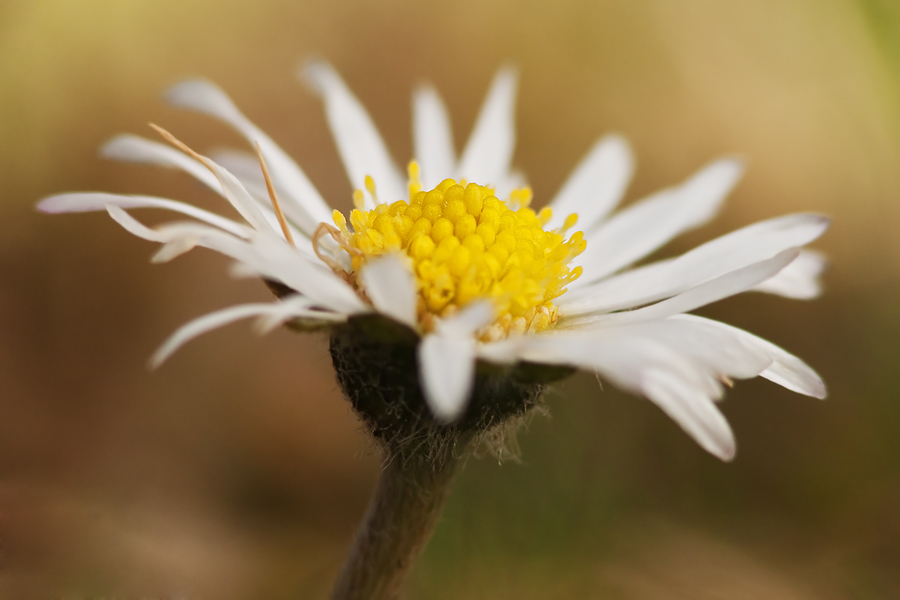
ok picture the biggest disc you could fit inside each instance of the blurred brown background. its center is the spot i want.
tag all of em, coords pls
(237, 470)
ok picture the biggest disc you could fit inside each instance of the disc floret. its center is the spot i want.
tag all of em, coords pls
(463, 244)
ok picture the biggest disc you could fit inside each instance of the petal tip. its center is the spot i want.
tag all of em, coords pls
(116, 148)
(726, 453)
(818, 390)
(314, 72)
(48, 205)
(199, 95)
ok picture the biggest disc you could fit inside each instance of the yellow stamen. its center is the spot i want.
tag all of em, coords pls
(359, 201)
(415, 185)
(370, 187)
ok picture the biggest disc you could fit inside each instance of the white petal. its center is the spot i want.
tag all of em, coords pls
(503, 352)
(620, 354)
(269, 257)
(596, 186)
(240, 198)
(94, 201)
(799, 280)
(391, 287)
(277, 260)
(732, 283)
(177, 238)
(136, 149)
(132, 148)
(302, 202)
(722, 255)
(446, 373)
(359, 143)
(637, 358)
(432, 137)
(699, 351)
(244, 166)
(719, 352)
(515, 180)
(291, 308)
(489, 152)
(469, 320)
(694, 412)
(135, 227)
(786, 370)
(646, 225)
(207, 323)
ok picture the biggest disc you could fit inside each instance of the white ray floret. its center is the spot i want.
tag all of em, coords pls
(361, 147)
(645, 226)
(488, 154)
(432, 136)
(447, 360)
(597, 184)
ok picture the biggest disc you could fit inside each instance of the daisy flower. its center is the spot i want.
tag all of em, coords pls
(443, 287)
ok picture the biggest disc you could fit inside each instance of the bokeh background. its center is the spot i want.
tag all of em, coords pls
(238, 471)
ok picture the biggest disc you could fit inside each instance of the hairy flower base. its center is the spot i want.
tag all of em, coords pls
(375, 362)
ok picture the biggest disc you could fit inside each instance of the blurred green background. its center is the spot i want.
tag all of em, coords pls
(238, 471)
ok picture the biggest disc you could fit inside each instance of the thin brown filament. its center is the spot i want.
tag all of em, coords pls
(322, 230)
(274, 198)
(182, 146)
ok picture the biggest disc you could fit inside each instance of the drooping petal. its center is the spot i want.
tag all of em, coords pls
(95, 201)
(698, 351)
(649, 224)
(696, 414)
(722, 255)
(177, 238)
(447, 360)
(432, 137)
(489, 151)
(596, 186)
(359, 143)
(391, 287)
(717, 350)
(135, 227)
(446, 373)
(735, 282)
(799, 280)
(786, 369)
(303, 203)
(677, 364)
(133, 148)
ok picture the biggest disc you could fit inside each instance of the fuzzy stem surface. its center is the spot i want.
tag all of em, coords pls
(401, 516)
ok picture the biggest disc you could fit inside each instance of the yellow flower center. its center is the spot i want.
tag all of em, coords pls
(464, 244)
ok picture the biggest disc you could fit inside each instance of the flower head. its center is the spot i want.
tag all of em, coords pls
(479, 290)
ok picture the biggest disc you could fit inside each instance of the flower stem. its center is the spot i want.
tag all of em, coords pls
(402, 514)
